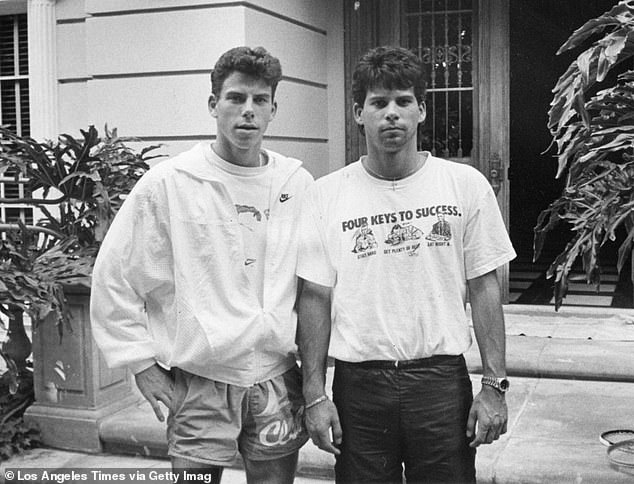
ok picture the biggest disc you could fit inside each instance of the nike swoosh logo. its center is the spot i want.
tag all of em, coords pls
(248, 262)
(285, 197)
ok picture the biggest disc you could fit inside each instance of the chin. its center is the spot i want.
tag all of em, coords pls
(393, 145)
(247, 141)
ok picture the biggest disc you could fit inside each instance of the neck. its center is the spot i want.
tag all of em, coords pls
(250, 157)
(394, 166)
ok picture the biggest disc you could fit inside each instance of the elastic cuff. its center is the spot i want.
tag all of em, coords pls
(139, 366)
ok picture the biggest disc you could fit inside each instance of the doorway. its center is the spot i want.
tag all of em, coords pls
(537, 29)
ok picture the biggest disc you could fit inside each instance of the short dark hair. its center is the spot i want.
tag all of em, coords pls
(256, 62)
(390, 68)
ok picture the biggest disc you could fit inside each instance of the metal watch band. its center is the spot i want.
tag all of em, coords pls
(500, 384)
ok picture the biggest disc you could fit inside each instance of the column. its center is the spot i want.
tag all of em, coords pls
(42, 69)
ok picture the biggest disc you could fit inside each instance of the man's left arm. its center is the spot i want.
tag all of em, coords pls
(489, 409)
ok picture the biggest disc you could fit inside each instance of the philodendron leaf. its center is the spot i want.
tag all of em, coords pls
(79, 174)
(614, 43)
(608, 50)
(622, 141)
(585, 62)
(620, 14)
(614, 130)
(573, 149)
(625, 250)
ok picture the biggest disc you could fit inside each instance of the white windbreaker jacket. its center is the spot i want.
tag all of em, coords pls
(169, 282)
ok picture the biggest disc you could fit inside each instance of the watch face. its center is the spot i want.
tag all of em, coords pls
(504, 384)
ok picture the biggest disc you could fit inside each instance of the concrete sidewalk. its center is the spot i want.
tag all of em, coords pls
(553, 435)
(572, 377)
(155, 469)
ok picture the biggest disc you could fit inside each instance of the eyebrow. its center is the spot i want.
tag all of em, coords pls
(242, 93)
(383, 96)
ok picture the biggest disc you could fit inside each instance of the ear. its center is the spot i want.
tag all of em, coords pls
(273, 110)
(422, 108)
(211, 105)
(357, 111)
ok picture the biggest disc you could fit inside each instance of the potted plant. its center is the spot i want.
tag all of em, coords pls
(77, 185)
(593, 133)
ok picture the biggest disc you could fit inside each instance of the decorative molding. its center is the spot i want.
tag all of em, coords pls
(305, 82)
(79, 20)
(12, 7)
(211, 137)
(127, 75)
(74, 80)
(249, 5)
(193, 72)
(296, 139)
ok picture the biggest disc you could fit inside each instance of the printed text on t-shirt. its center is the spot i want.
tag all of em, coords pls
(400, 216)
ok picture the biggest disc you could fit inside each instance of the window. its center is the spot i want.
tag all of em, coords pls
(440, 32)
(14, 106)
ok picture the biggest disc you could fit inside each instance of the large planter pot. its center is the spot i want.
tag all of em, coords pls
(74, 388)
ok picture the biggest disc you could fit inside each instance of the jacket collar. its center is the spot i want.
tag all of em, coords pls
(195, 163)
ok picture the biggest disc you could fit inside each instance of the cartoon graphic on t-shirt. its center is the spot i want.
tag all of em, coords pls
(249, 209)
(364, 240)
(252, 222)
(257, 215)
(441, 230)
(413, 250)
(401, 233)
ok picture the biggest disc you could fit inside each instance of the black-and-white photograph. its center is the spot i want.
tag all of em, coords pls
(317, 241)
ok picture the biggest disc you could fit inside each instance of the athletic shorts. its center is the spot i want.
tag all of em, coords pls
(210, 422)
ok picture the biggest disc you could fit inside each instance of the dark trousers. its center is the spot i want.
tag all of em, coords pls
(407, 421)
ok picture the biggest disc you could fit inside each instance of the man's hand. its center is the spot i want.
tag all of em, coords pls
(320, 419)
(490, 413)
(156, 385)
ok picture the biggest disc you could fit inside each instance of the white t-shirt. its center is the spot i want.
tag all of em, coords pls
(250, 189)
(398, 256)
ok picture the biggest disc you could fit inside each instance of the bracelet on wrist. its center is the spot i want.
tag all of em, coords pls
(316, 401)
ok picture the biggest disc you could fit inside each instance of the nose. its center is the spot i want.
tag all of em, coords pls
(391, 112)
(247, 110)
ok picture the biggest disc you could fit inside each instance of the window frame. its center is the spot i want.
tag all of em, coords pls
(20, 81)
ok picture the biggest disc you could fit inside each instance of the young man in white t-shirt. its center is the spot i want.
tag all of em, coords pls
(197, 274)
(389, 247)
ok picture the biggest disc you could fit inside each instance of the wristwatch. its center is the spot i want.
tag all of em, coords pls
(500, 384)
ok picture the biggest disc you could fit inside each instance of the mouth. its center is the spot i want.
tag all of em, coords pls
(247, 127)
(392, 130)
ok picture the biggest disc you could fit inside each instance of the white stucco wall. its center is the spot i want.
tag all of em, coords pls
(11, 7)
(143, 66)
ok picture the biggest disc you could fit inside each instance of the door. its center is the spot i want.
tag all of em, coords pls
(464, 45)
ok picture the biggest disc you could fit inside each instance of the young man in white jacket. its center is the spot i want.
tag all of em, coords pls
(194, 287)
